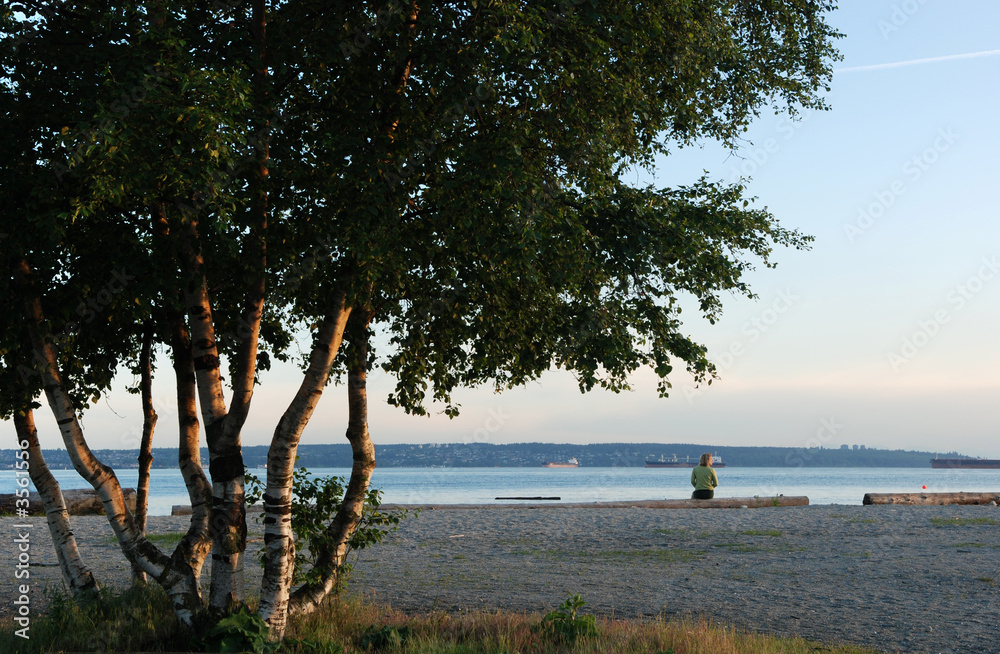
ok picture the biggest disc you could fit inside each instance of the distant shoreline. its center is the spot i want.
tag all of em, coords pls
(531, 455)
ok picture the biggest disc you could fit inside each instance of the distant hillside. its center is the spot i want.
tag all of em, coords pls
(535, 454)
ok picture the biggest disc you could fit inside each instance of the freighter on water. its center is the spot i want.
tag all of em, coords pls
(687, 462)
(572, 463)
(965, 463)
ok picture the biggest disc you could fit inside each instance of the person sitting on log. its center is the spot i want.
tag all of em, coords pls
(704, 479)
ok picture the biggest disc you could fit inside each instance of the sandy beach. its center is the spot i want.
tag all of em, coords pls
(908, 579)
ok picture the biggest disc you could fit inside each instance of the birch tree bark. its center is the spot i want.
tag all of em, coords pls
(175, 577)
(76, 574)
(308, 597)
(146, 446)
(227, 524)
(196, 545)
(279, 559)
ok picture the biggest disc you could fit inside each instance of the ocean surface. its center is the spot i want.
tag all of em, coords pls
(483, 485)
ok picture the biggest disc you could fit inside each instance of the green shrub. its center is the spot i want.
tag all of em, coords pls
(384, 638)
(565, 625)
(242, 631)
(315, 502)
(309, 646)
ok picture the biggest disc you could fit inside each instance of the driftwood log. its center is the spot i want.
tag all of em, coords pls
(716, 503)
(929, 499)
(79, 501)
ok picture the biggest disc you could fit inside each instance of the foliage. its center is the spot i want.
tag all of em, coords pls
(455, 170)
(309, 646)
(136, 619)
(565, 625)
(84, 628)
(384, 638)
(315, 501)
(476, 205)
(242, 631)
(963, 522)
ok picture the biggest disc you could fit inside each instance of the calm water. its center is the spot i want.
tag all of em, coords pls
(482, 485)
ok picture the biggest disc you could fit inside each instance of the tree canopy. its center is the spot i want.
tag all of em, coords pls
(230, 174)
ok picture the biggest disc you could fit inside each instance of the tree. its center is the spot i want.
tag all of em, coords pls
(449, 173)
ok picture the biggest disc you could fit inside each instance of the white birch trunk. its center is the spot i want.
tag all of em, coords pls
(146, 445)
(227, 524)
(75, 572)
(308, 597)
(196, 545)
(174, 579)
(279, 558)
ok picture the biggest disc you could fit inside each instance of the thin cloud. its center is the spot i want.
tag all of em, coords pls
(917, 62)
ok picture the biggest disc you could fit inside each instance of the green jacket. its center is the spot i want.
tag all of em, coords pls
(704, 478)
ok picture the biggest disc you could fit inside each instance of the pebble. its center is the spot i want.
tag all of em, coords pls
(894, 578)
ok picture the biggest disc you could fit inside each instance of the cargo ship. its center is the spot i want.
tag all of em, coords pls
(572, 463)
(674, 462)
(989, 464)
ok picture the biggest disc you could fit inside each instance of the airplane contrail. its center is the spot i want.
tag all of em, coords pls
(916, 62)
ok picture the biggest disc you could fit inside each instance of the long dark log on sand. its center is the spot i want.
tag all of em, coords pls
(717, 503)
(929, 499)
(79, 501)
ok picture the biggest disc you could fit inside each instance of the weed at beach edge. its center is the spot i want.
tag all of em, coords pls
(140, 619)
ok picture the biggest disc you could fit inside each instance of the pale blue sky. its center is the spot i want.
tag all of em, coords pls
(821, 356)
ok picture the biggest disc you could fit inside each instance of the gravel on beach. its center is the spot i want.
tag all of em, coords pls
(895, 578)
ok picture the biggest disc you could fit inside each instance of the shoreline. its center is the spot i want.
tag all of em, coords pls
(716, 503)
(896, 578)
(582, 485)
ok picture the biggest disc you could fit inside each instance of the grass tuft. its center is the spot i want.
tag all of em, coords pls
(963, 522)
(761, 532)
(137, 619)
(140, 619)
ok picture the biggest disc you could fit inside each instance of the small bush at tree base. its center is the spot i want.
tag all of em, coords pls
(309, 646)
(242, 631)
(315, 502)
(384, 639)
(565, 625)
